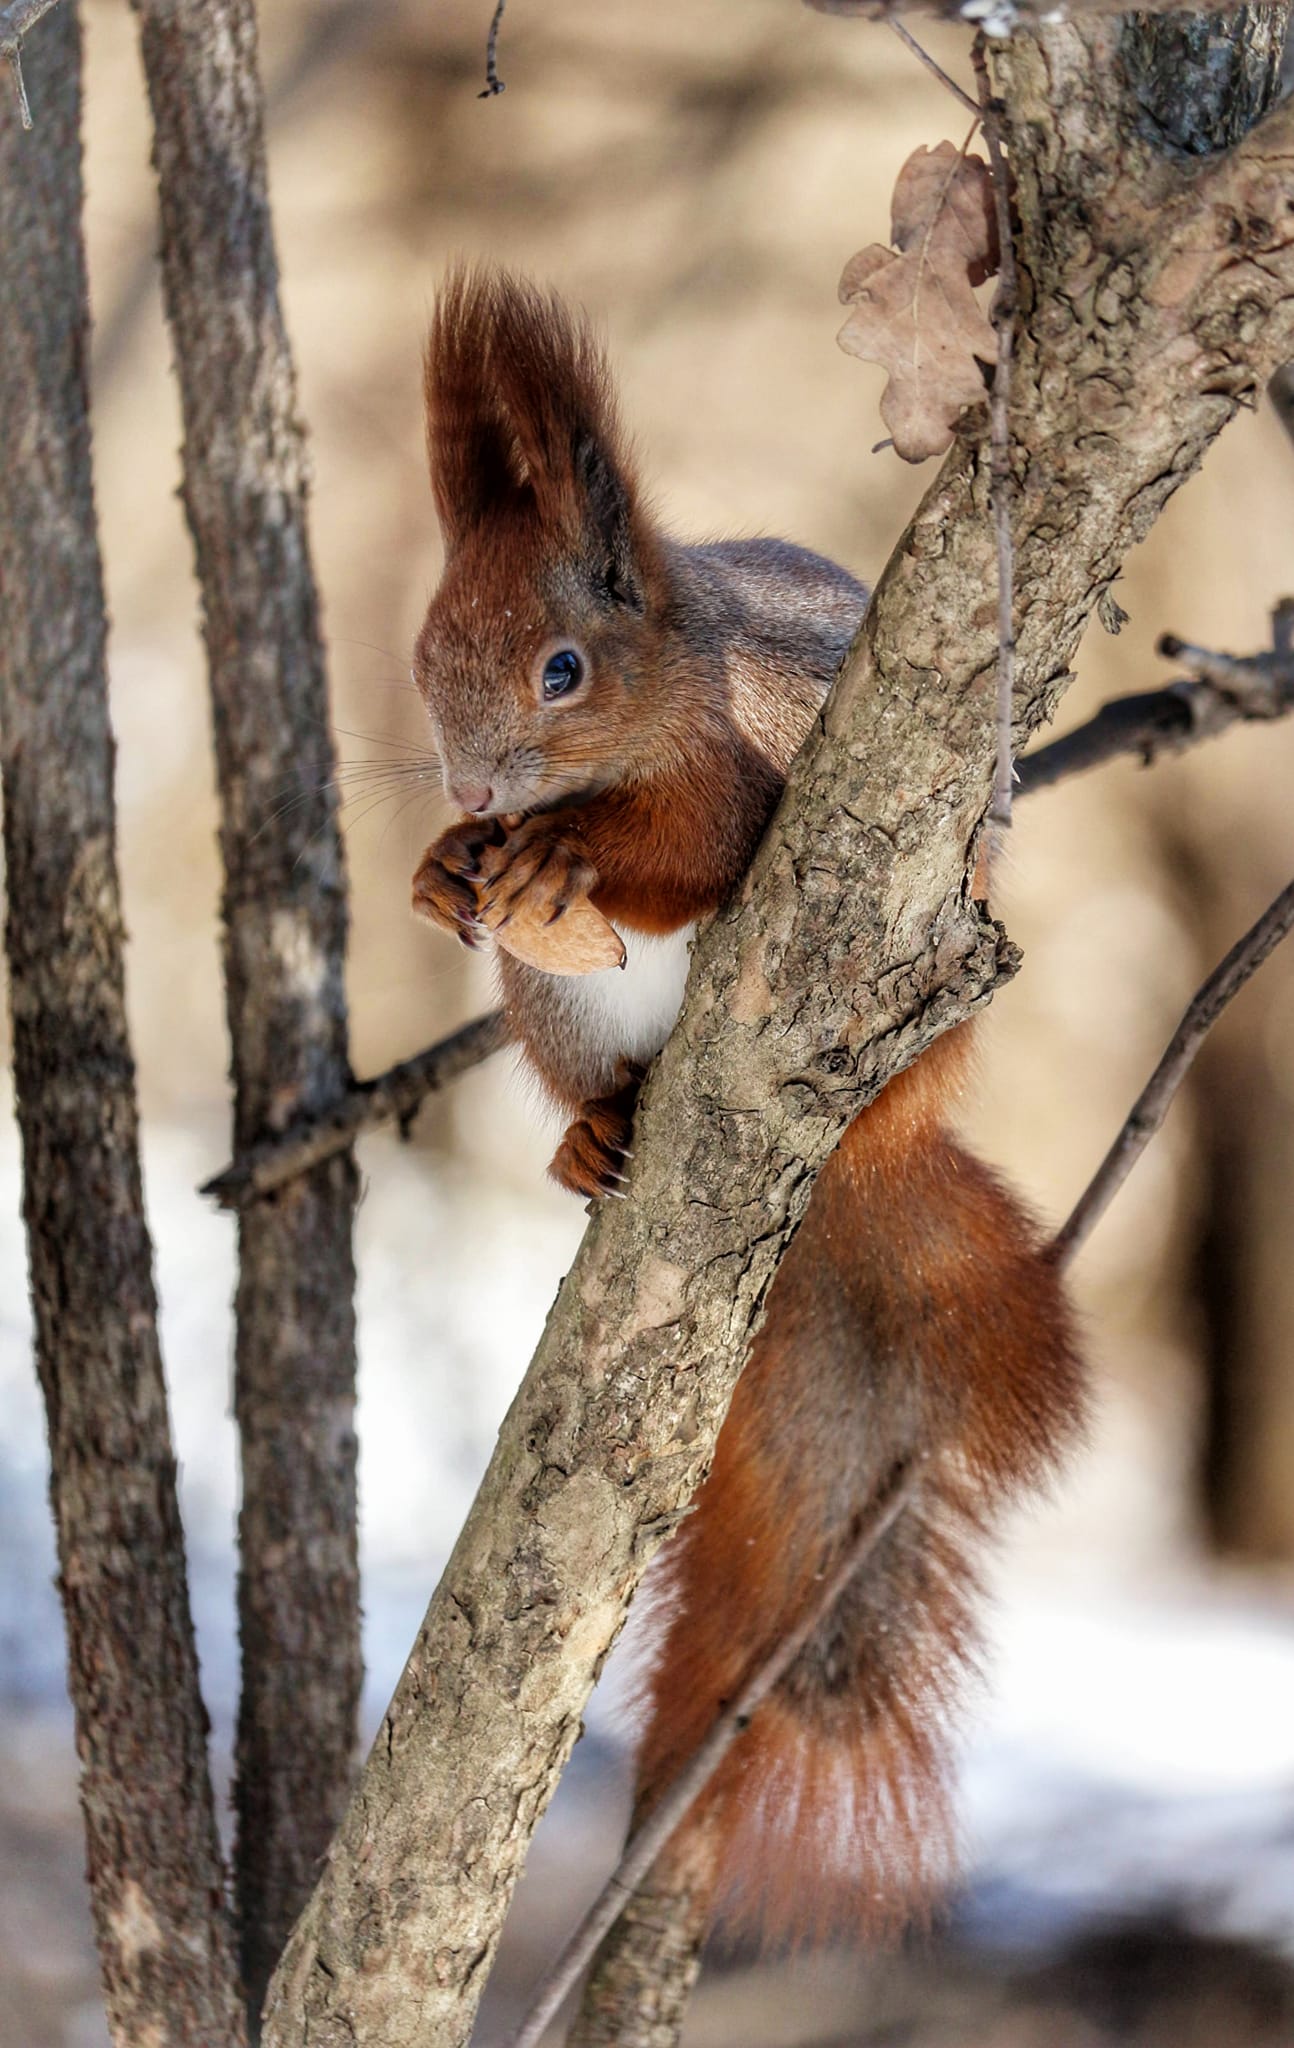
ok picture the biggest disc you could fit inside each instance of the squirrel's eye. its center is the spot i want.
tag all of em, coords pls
(562, 672)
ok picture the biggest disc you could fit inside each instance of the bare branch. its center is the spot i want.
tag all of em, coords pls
(493, 83)
(937, 70)
(15, 21)
(156, 1881)
(1005, 308)
(395, 1096)
(676, 1800)
(1153, 1103)
(1001, 19)
(1226, 690)
(244, 476)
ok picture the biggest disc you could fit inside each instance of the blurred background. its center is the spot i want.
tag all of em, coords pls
(697, 175)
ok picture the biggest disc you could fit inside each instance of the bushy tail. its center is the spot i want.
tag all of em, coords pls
(913, 1313)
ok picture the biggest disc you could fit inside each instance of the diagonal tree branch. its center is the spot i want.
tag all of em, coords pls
(395, 1096)
(638, 1989)
(156, 1881)
(244, 481)
(647, 1843)
(1224, 690)
(854, 940)
(1152, 1105)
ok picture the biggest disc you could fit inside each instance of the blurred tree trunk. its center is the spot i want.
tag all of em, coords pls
(245, 479)
(157, 1885)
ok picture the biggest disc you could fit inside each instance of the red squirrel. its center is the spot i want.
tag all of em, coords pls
(615, 713)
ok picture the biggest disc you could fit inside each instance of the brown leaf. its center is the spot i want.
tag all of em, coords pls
(914, 309)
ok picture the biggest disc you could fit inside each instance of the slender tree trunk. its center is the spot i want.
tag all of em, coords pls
(157, 1886)
(245, 479)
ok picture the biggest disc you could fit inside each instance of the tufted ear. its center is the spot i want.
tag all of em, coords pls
(475, 466)
(520, 410)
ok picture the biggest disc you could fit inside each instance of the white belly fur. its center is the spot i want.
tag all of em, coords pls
(628, 1012)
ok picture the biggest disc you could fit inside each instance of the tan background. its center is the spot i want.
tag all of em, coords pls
(696, 173)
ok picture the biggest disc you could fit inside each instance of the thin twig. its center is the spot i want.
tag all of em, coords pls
(1006, 301)
(678, 1797)
(15, 20)
(905, 36)
(395, 1095)
(1223, 690)
(493, 83)
(1152, 1105)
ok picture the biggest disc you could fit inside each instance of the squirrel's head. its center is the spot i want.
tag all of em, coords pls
(535, 660)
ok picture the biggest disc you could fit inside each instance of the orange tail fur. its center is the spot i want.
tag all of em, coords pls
(914, 1311)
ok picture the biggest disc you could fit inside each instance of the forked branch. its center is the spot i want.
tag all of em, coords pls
(1222, 690)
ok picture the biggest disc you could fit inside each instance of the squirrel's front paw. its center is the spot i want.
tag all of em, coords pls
(534, 891)
(446, 882)
(537, 864)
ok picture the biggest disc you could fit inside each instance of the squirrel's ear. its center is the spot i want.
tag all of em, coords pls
(472, 453)
(611, 522)
(555, 391)
(520, 412)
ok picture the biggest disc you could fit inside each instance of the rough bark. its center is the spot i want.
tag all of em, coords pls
(648, 1965)
(244, 483)
(1158, 297)
(157, 1886)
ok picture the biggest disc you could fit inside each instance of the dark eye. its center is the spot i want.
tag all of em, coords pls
(562, 672)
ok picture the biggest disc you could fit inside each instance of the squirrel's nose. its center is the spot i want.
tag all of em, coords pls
(473, 797)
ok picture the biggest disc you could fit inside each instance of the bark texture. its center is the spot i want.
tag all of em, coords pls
(244, 483)
(1157, 298)
(649, 1963)
(157, 1886)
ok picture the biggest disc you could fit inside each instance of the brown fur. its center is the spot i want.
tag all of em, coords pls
(914, 1311)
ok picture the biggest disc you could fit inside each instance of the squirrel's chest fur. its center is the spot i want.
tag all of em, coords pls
(578, 1029)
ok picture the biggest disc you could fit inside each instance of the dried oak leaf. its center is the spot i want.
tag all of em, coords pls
(914, 307)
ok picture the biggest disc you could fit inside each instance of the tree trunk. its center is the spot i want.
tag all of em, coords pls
(157, 1886)
(244, 472)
